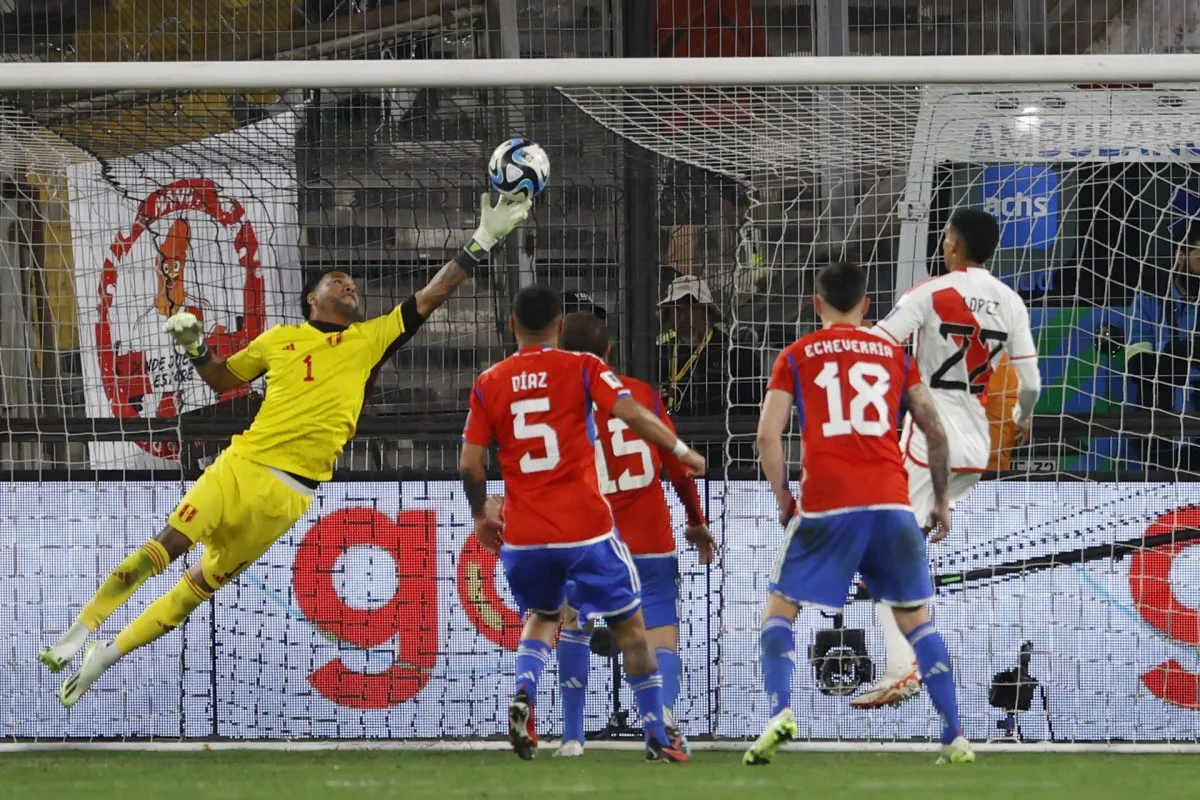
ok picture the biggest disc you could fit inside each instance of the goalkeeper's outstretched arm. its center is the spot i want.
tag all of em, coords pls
(495, 222)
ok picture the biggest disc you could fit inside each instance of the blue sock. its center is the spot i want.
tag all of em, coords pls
(778, 644)
(671, 669)
(937, 673)
(647, 689)
(532, 655)
(574, 660)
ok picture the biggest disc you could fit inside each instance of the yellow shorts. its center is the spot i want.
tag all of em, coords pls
(237, 510)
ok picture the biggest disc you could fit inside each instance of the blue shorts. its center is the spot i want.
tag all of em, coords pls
(597, 579)
(820, 555)
(660, 589)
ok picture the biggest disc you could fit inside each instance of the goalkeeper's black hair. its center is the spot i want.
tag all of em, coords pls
(979, 230)
(310, 286)
(842, 285)
(535, 307)
(584, 332)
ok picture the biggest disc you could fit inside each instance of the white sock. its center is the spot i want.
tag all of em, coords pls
(900, 655)
(74, 638)
(106, 654)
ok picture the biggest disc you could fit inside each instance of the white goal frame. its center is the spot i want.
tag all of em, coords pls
(576, 72)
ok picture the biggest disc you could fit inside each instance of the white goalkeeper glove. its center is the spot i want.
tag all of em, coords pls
(499, 220)
(188, 332)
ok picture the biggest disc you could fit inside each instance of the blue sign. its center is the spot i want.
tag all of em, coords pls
(1025, 201)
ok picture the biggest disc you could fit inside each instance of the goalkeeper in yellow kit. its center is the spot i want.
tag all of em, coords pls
(317, 376)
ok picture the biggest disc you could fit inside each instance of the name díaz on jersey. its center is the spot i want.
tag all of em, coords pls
(831, 346)
(528, 380)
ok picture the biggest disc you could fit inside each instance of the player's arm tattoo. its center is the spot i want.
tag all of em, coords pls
(439, 289)
(474, 478)
(925, 415)
(213, 370)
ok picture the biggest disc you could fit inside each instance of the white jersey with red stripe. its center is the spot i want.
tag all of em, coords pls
(960, 323)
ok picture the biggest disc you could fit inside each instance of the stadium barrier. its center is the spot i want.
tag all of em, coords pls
(379, 617)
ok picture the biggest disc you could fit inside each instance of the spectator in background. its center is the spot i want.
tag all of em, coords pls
(693, 353)
(1161, 353)
(574, 301)
(697, 204)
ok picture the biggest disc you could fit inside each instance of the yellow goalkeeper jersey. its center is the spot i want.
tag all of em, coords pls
(317, 378)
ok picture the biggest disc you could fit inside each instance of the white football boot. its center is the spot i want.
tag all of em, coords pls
(569, 749)
(891, 690)
(957, 752)
(98, 657)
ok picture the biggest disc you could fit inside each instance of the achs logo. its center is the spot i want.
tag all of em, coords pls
(1025, 201)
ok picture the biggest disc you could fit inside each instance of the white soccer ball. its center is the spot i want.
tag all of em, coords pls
(519, 168)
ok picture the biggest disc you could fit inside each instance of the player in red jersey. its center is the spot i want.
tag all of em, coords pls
(557, 542)
(854, 515)
(629, 469)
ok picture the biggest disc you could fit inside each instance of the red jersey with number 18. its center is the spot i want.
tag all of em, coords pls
(847, 384)
(537, 406)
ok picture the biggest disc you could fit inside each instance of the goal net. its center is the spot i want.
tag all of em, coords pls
(1067, 594)
(1097, 192)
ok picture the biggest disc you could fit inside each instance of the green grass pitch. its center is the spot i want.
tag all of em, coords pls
(617, 775)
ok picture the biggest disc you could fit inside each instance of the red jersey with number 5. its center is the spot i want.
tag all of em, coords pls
(847, 384)
(537, 406)
(960, 324)
(629, 469)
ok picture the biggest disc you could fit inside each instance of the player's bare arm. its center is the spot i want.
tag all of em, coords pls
(495, 222)
(645, 424)
(772, 423)
(925, 416)
(472, 467)
(189, 334)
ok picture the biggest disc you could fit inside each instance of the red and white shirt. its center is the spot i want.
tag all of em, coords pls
(960, 324)
(538, 407)
(847, 384)
(629, 468)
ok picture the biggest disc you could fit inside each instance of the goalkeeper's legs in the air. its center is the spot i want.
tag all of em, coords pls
(146, 562)
(777, 643)
(162, 616)
(938, 672)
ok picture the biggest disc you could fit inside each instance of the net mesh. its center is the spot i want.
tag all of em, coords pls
(376, 616)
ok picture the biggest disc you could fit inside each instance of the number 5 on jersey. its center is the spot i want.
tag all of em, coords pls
(525, 430)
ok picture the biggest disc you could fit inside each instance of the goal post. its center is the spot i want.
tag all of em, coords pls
(1067, 596)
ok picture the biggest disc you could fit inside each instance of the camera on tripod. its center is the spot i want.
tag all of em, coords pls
(839, 659)
(1012, 692)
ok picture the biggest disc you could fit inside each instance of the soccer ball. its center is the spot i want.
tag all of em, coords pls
(518, 169)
